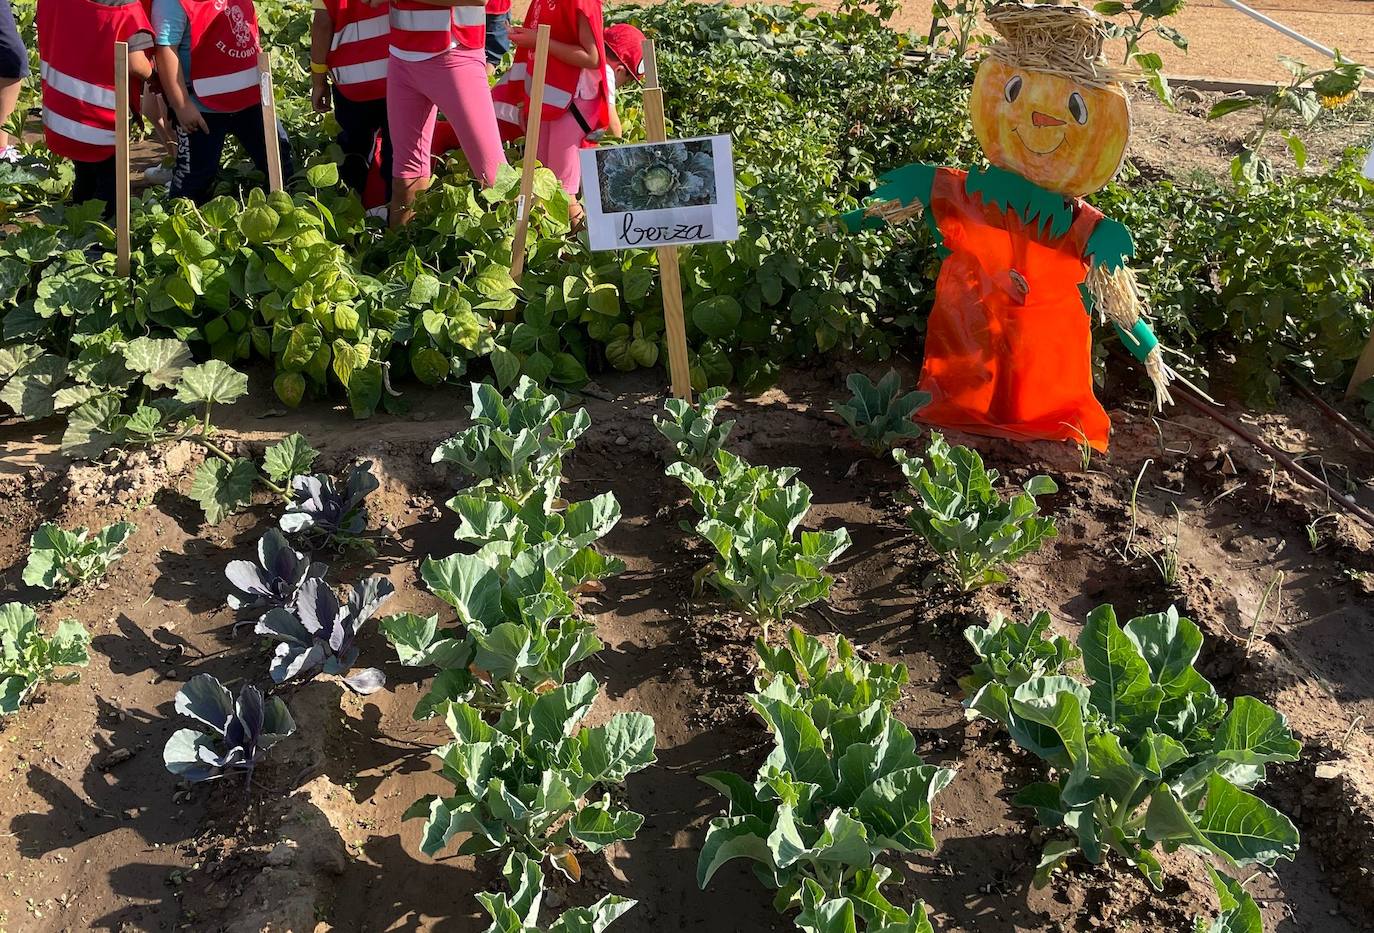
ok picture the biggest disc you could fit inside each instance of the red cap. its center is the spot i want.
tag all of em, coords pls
(626, 43)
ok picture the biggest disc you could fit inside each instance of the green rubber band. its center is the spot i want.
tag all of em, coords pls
(1140, 340)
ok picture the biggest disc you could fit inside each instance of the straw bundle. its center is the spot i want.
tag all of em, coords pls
(1057, 39)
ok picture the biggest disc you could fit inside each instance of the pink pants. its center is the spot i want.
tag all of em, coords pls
(560, 143)
(454, 82)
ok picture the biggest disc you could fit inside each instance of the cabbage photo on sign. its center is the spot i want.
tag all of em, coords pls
(660, 194)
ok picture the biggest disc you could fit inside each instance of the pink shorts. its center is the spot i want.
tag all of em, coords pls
(560, 148)
(454, 83)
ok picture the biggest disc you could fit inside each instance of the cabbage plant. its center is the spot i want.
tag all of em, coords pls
(241, 730)
(318, 634)
(29, 658)
(272, 582)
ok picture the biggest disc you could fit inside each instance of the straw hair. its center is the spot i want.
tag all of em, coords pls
(1064, 40)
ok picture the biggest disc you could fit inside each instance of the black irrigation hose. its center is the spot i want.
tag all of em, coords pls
(1183, 393)
(1359, 434)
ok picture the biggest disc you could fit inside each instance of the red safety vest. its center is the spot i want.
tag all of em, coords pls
(224, 53)
(358, 52)
(511, 94)
(77, 68)
(420, 31)
(497, 7)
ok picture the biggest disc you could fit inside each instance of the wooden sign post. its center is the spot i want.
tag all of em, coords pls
(269, 121)
(530, 157)
(121, 83)
(669, 273)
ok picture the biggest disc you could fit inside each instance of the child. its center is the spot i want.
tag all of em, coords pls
(76, 60)
(14, 68)
(498, 33)
(585, 66)
(350, 43)
(438, 63)
(207, 56)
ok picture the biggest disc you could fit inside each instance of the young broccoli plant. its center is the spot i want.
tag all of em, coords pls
(956, 508)
(1146, 753)
(28, 658)
(318, 635)
(842, 788)
(518, 912)
(875, 413)
(750, 516)
(273, 582)
(822, 914)
(516, 446)
(241, 731)
(60, 560)
(692, 429)
(735, 484)
(1239, 912)
(502, 528)
(525, 784)
(324, 513)
(518, 628)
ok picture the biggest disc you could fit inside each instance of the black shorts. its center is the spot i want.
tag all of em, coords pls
(14, 58)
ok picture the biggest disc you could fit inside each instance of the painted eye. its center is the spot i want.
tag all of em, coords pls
(1078, 108)
(1012, 89)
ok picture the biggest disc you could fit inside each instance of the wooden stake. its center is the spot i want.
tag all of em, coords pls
(269, 121)
(669, 273)
(121, 83)
(531, 156)
(1364, 368)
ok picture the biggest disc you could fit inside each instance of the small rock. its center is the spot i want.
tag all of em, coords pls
(130, 814)
(621, 440)
(282, 854)
(1328, 772)
(116, 757)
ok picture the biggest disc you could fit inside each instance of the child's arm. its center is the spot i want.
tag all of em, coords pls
(174, 87)
(581, 55)
(141, 55)
(321, 34)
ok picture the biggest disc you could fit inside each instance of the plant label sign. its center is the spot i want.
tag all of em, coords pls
(673, 193)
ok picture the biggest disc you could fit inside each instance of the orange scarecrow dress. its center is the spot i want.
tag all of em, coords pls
(1008, 349)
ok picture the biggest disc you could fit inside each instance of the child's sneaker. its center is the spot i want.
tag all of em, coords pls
(158, 174)
(10, 154)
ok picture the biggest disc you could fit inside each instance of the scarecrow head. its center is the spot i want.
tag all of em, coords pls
(1045, 103)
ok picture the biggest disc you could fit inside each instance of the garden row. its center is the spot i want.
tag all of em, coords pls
(1274, 274)
(1141, 753)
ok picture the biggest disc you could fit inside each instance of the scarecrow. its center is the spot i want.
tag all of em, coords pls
(1025, 261)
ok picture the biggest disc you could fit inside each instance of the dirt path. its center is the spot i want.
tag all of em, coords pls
(92, 842)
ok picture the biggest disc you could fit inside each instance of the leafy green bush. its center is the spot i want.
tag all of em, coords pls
(876, 415)
(502, 529)
(519, 628)
(962, 517)
(60, 559)
(514, 447)
(692, 429)
(518, 912)
(842, 787)
(735, 483)
(28, 658)
(522, 784)
(1146, 753)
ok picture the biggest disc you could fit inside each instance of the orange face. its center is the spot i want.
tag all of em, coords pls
(1063, 136)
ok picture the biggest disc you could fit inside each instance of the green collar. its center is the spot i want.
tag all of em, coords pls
(1051, 212)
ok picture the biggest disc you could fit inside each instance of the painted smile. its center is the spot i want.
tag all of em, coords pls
(1032, 148)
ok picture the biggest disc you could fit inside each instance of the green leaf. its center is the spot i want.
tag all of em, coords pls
(31, 392)
(1244, 828)
(1122, 689)
(717, 316)
(598, 825)
(221, 488)
(290, 457)
(290, 388)
(213, 382)
(161, 362)
(730, 838)
(324, 175)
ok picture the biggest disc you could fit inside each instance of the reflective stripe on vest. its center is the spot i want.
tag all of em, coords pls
(419, 32)
(85, 91)
(91, 135)
(372, 28)
(225, 84)
(348, 75)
